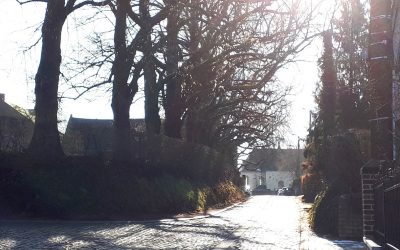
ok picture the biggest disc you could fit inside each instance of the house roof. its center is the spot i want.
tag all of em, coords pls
(15, 128)
(83, 123)
(249, 168)
(7, 111)
(274, 159)
(94, 136)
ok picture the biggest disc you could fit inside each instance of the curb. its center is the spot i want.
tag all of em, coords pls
(208, 214)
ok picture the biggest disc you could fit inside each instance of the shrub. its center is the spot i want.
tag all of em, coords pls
(228, 193)
(311, 185)
(204, 197)
(172, 194)
(168, 194)
(324, 212)
(16, 197)
(81, 187)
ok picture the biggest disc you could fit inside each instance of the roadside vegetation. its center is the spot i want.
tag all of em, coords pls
(86, 188)
(207, 73)
(338, 141)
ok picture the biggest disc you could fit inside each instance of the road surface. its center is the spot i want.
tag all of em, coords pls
(263, 222)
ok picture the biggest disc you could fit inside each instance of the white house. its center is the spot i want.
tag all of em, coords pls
(275, 180)
(252, 177)
(275, 168)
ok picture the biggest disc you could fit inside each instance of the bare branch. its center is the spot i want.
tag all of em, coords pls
(30, 1)
(73, 7)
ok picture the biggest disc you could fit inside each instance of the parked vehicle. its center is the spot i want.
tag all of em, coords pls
(246, 190)
(285, 191)
(261, 189)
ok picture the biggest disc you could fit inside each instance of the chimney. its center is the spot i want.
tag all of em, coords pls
(2, 97)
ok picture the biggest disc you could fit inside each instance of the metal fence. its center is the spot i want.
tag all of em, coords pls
(379, 228)
(387, 209)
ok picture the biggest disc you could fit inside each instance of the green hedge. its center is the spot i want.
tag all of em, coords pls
(87, 188)
(324, 212)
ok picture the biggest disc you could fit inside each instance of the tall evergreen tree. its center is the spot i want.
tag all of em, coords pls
(351, 37)
(327, 102)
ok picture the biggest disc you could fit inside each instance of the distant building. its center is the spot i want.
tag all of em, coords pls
(16, 129)
(275, 168)
(94, 137)
(252, 177)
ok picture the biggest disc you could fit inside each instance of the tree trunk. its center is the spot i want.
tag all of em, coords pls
(121, 100)
(151, 89)
(122, 130)
(191, 119)
(173, 108)
(45, 142)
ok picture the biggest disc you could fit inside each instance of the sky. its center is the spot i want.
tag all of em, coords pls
(18, 65)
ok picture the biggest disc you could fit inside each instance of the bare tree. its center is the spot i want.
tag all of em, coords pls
(215, 63)
(123, 92)
(127, 70)
(123, 63)
(231, 53)
(173, 95)
(45, 142)
(151, 87)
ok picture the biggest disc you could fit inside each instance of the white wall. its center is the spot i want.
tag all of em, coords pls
(272, 179)
(253, 178)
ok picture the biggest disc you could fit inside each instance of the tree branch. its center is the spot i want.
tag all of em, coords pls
(30, 1)
(88, 2)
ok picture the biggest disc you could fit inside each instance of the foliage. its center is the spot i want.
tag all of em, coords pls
(87, 188)
(341, 162)
(327, 98)
(220, 195)
(159, 195)
(344, 163)
(227, 193)
(336, 143)
(325, 125)
(351, 41)
(230, 92)
(343, 98)
(213, 66)
(323, 214)
(341, 175)
(311, 185)
(14, 191)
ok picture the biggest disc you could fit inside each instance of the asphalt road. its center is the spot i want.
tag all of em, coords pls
(263, 222)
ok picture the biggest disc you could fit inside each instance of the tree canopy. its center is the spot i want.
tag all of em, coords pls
(206, 68)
